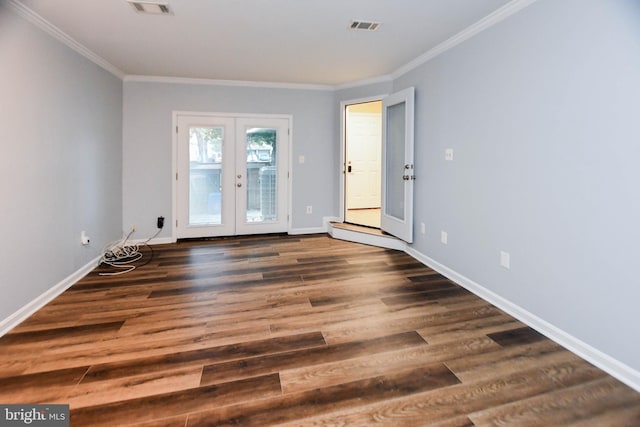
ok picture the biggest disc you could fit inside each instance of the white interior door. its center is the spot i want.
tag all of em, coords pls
(397, 160)
(363, 172)
(232, 175)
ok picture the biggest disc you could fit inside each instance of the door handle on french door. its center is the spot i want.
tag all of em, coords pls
(408, 166)
(239, 185)
(349, 168)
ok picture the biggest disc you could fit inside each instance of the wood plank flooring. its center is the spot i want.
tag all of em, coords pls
(296, 331)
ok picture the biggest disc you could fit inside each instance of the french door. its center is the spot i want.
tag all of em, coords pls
(232, 175)
(397, 164)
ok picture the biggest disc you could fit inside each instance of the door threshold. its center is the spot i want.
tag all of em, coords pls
(232, 237)
(365, 235)
(360, 228)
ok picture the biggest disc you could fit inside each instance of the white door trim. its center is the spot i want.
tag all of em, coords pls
(174, 151)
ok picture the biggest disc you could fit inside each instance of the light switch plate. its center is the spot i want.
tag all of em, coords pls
(448, 154)
(505, 259)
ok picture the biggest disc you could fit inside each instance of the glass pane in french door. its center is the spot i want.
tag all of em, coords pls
(261, 174)
(395, 158)
(205, 165)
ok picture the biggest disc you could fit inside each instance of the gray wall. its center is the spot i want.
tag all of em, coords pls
(61, 135)
(148, 108)
(542, 111)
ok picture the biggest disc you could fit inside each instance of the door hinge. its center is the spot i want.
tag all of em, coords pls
(176, 223)
(176, 176)
(289, 132)
(176, 129)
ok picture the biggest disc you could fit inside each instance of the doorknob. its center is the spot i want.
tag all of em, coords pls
(349, 168)
(239, 176)
(239, 184)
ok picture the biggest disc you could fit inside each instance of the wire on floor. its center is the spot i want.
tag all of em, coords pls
(122, 254)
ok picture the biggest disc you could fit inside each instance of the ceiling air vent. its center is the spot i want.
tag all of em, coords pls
(151, 7)
(365, 25)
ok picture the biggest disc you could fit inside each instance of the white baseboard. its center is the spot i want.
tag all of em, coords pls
(327, 220)
(612, 366)
(156, 241)
(30, 308)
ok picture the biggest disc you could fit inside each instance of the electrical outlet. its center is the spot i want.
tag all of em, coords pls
(309, 209)
(84, 239)
(160, 222)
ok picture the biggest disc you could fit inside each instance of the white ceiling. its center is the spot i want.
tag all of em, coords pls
(287, 41)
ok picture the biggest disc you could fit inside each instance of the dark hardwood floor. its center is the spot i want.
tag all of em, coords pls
(296, 331)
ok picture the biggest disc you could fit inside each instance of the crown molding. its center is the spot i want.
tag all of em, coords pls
(488, 21)
(214, 82)
(365, 82)
(61, 36)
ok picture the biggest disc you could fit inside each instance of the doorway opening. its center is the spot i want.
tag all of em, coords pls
(363, 163)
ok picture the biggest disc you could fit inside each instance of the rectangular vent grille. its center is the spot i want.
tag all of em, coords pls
(150, 7)
(365, 25)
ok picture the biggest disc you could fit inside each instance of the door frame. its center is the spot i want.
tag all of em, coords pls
(343, 145)
(174, 157)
